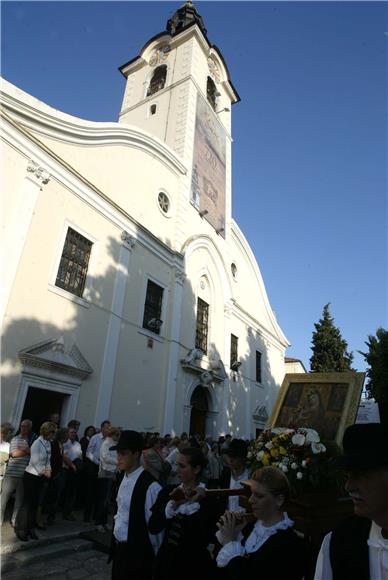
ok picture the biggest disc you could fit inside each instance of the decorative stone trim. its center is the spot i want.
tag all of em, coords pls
(180, 276)
(51, 355)
(41, 176)
(128, 240)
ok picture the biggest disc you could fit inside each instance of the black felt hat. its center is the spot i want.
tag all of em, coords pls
(237, 448)
(365, 446)
(131, 440)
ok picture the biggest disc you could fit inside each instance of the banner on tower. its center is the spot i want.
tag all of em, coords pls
(208, 179)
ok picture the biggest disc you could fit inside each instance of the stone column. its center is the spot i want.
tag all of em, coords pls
(173, 360)
(17, 229)
(113, 334)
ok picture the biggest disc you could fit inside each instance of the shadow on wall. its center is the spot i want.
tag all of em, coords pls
(249, 399)
(56, 317)
(88, 328)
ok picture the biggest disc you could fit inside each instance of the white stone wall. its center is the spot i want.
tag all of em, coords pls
(104, 179)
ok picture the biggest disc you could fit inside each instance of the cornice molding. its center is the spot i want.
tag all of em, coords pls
(51, 123)
(51, 355)
(29, 146)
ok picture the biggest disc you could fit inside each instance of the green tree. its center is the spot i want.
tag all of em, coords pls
(377, 373)
(329, 348)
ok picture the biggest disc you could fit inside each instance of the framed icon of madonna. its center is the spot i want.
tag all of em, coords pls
(326, 402)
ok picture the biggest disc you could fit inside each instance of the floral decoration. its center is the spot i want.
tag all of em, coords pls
(299, 453)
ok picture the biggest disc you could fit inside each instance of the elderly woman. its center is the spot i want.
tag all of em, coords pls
(37, 472)
(188, 520)
(267, 548)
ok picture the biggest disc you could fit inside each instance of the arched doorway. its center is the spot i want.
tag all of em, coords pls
(199, 410)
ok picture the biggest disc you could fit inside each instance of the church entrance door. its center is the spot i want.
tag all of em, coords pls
(199, 409)
(40, 404)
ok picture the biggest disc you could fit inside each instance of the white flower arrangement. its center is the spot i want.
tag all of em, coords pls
(296, 452)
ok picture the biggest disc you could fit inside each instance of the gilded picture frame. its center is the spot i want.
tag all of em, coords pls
(326, 402)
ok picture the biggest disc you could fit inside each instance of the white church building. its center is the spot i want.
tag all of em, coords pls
(128, 290)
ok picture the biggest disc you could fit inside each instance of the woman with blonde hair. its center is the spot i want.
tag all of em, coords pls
(37, 472)
(268, 547)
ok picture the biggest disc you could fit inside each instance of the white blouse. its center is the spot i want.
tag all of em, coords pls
(255, 540)
(185, 509)
(40, 456)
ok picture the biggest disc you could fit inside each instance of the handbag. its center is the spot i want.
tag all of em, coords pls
(106, 474)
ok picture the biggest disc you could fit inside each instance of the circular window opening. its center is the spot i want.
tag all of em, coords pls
(164, 202)
(233, 268)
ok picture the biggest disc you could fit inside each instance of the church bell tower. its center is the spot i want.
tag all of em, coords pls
(178, 90)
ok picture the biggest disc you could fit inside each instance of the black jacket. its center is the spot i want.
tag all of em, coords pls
(283, 556)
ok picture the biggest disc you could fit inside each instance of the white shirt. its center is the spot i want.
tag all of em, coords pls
(124, 498)
(233, 501)
(185, 509)
(378, 556)
(94, 447)
(108, 459)
(72, 450)
(255, 540)
(40, 456)
(172, 459)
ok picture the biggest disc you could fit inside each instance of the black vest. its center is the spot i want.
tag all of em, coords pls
(139, 547)
(349, 552)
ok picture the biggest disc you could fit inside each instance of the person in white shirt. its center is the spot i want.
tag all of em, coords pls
(106, 478)
(133, 548)
(37, 471)
(234, 474)
(72, 460)
(92, 464)
(358, 547)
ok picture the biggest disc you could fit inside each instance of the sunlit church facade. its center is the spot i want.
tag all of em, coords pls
(128, 290)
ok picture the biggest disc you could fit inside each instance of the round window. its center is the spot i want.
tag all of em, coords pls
(164, 202)
(233, 268)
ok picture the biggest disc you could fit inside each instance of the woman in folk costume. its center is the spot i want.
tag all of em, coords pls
(188, 519)
(268, 547)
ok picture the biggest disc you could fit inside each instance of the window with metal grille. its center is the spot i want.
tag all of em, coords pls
(153, 307)
(258, 366)
(158, 80)
(211, 92)
(74, 262)
(233, 351)
(202, 325)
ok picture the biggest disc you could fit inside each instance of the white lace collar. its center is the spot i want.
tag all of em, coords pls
(261, 533)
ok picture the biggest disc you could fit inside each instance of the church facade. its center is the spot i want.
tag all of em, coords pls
(129, 292)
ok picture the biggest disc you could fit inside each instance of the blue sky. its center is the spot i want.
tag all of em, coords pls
(310, 133)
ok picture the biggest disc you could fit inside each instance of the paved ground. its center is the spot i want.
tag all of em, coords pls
(64, 551)
(90, 564)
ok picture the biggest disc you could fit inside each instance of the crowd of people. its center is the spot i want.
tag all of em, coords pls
(186, 506)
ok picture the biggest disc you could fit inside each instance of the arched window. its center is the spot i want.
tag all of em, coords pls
(158, 80)
(211, 92)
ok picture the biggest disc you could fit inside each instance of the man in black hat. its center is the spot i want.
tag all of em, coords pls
(234, 473)
(133, 549)
(358, 548)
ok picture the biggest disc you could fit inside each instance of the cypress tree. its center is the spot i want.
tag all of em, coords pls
(377, 373)
(329, 348)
